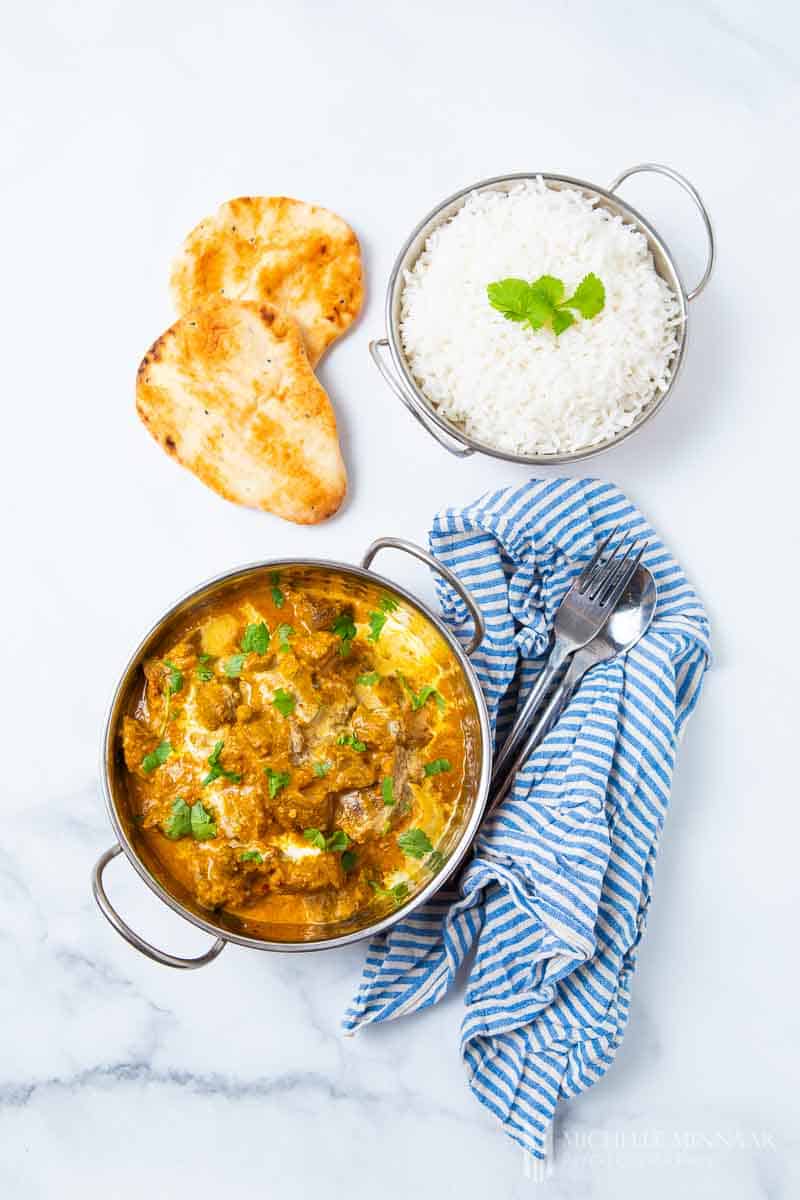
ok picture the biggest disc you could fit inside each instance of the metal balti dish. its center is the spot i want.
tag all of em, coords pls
(398, 374)
(224, 927)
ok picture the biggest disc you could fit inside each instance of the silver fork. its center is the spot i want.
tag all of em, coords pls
(581, 615)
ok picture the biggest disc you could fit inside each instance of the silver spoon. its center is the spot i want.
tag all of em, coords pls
(626, 625)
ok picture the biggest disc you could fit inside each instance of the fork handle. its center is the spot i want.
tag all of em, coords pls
(501, 785)
(508, 751)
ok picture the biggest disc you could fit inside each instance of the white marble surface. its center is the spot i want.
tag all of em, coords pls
(123, 124)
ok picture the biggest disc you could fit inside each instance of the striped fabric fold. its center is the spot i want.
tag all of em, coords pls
(555, 898)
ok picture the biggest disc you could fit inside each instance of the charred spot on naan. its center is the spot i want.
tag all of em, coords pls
(228, 391)
(300, 257)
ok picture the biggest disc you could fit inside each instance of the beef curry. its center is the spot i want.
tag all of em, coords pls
(297, 752)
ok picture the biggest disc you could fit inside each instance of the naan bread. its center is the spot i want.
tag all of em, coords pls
(229, 392)
(273, 250)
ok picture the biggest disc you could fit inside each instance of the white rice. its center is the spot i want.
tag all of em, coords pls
(529, 391)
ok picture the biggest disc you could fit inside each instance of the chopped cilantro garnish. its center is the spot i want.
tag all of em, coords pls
(203, 671)
(397, 893)
(377, 620)
(174, 677)
(437, 766)
(415, 843)
(256, 639)
(203, 827)
(217, 770)
(321, 769)
(185, 819)
(435, 860)
(419, 698)
(349, 860)
(251, 856)
(348, 739)
(283, 702)
(233, 666)
(284, 633)
(157, 757)
(369, 680)
(338, 840)
(278, 598)
(275, 781)
(179, 822)
(387, 790)
(344, 628)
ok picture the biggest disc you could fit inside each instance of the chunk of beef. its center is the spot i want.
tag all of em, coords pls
(217, 702)
(360, 813)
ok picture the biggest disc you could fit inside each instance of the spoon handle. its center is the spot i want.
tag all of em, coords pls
(508, 751)
(502, 783)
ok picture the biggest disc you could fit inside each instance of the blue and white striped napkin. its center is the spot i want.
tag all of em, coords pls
(555, 900)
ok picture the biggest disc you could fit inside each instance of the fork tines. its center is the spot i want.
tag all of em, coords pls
(605, 579)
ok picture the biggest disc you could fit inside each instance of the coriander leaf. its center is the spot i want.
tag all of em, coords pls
(321, 769)
(540, 311)
(435, 861)
(387, 604)
(345, 629)
(396, 893)
(589, 297)
(256, 639)
(387, 790)
(549, 289)
(377, 620)
(415, 843)
(337, 841)
(278, 598)
(347, 739)
(417, 700)
(510, 297)
(349, 860)
(203, 826)
(275, 781)
(284, 633)
(157, 757)
(562, 320)
(251, 856)
(316, 837)
(369, 680)
(233, 667)
(203, 671)
(217, 770)
(174, 677)
(283, 702)
(179, 823)
(437, 766)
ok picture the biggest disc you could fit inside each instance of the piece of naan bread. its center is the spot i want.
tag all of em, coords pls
(229, 392)
(297, 256)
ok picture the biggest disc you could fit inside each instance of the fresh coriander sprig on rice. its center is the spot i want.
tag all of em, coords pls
(542, 302)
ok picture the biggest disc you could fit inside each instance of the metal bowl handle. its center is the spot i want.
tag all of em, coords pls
(659, 169)
(138, 943)
(410, 401)
(392, 543)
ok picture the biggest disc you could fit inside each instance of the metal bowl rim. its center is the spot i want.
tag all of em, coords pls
(448, 427)
(436, 881)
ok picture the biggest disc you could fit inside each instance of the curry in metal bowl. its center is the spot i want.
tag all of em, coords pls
(297, 754)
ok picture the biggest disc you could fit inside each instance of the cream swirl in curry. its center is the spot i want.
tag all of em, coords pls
(297, 751)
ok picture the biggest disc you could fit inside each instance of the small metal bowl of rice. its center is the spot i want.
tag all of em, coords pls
(513, 389)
